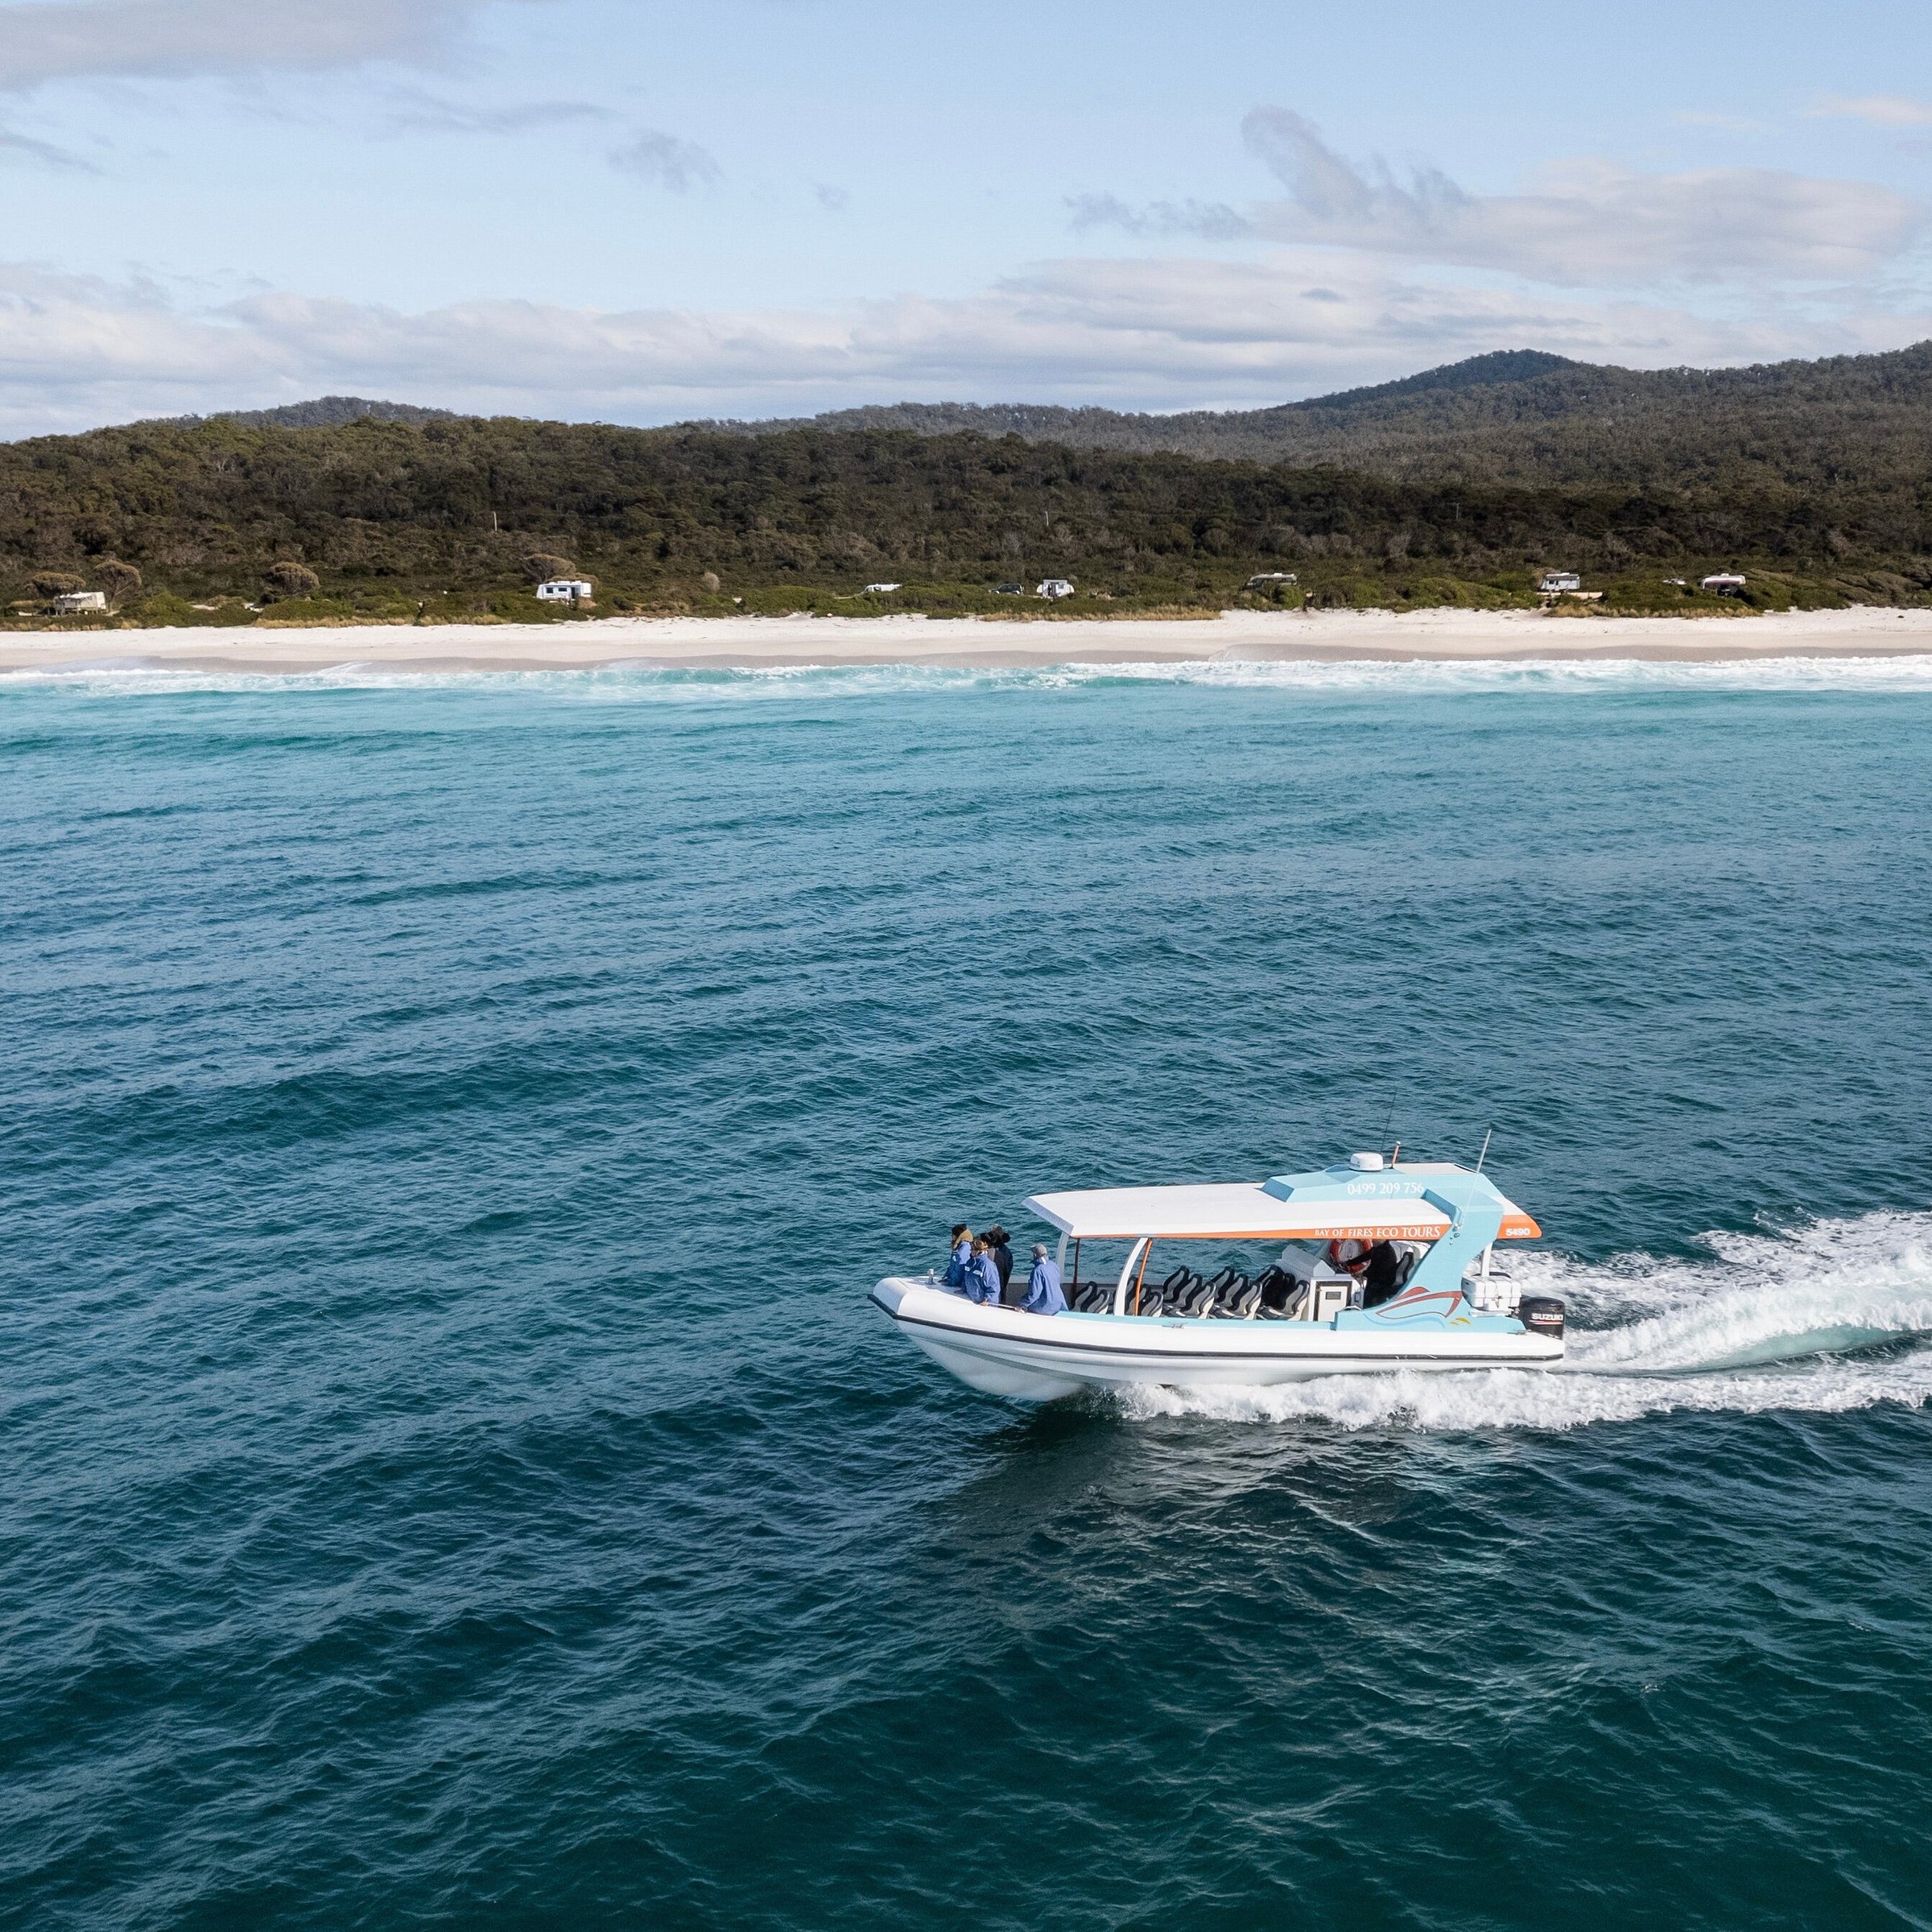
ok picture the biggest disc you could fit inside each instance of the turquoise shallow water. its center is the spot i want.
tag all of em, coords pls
(453, 1477)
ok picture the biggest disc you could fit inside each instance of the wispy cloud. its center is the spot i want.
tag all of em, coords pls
(1586, 222)
(1208, 221)
(25, 147)
(666, 161)
(832, 197)
(412, 112)
(1881, 110)
(47, 40)
(1167, 332)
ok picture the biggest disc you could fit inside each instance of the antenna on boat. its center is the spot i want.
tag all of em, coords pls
(1484, 1155)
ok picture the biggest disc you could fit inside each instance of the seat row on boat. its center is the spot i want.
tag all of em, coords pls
(1274, 1295)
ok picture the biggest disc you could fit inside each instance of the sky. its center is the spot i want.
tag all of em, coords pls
(648, 211)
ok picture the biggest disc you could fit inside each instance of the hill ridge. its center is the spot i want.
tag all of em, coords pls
(322, 412)
(1513, 415)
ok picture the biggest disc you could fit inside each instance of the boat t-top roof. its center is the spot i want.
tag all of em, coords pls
(1411, 1201)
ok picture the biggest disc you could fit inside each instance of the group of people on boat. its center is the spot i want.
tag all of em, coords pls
(980, 1268)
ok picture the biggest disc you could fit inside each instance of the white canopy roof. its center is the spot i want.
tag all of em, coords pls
(1245, 1211)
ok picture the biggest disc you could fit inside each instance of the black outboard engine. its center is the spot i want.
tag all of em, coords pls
(1542, 1314)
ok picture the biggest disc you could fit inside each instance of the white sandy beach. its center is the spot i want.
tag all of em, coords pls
(752, 642)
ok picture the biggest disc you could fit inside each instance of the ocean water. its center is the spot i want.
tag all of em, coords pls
(453, 1477)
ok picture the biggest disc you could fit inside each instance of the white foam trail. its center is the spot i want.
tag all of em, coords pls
(1908, 673)
(619, 683)
(1772, 1322)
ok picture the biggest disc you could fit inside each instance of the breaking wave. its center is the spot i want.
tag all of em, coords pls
(639, 683)
(1826, 1318)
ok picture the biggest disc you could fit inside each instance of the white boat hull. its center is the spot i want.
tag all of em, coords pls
(1038, 1357)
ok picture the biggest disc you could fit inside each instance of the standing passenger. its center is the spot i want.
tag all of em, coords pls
(1382, 1274)
(983, 1274)
(997, 1244)
(1043, 1295)
(962, 1258)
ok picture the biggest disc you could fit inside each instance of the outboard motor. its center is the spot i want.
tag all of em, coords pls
(1542, 1314)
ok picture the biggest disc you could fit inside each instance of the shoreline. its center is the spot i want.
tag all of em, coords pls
(988, 643)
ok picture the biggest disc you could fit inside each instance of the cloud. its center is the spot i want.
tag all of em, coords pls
(1168, 334)
(1209, 221)
(68, 40)
(1881, 110)
(1329, 189)
(414, 112)
(1589, 222)
(25, 147)
(833, 199)
(679, 166)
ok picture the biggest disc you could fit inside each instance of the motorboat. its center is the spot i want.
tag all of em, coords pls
(1299, 1314)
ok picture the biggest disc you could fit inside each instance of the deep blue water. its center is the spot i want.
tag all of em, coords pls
(453, 1477)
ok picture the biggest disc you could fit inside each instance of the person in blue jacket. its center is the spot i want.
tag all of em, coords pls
(983, 1274)
(1043, 1295)
(954, 1276)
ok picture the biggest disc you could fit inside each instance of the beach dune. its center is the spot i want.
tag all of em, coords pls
(753, 642)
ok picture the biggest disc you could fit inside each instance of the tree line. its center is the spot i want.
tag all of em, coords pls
(377, 512)
(1843, 429)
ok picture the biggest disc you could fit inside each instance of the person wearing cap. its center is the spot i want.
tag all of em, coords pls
(954, 1276)
(983, 1274)
(1043, 1295)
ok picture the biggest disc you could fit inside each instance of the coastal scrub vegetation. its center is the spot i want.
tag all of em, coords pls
(1844, 427)
(452, 518)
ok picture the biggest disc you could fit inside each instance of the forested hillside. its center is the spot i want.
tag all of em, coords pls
(325, 412)
(460, 515)
(1526, 418)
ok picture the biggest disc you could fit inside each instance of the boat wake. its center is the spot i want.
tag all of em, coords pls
(1825, 1318)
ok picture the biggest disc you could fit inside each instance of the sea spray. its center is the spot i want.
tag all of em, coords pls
(1830, 1317)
